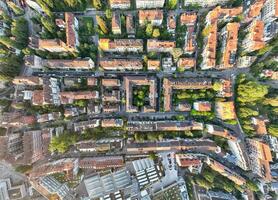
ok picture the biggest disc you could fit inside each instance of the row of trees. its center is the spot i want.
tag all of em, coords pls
(60, 6)
(254, 99)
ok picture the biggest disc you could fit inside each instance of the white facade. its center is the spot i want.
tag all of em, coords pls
(205, 2)
(269, 11)
(149, 3)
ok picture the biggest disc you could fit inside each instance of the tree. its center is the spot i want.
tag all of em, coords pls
(102, 25)
(252, 186)
(206, 31)
(245, 112)
(172, 4)
(149, 30)
(108, 13)
(48, 24)
(217, 86)
(271, 101)
(176, 53)
(273, 130)
(19, 29)
(251, 91)
(153, 156)
(156, 33)
(62, 142)
(97, 4)
(71, 3)
(17, 10)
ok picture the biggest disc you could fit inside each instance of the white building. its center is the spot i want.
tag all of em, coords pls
(149, 3)
(270, 10)
(7, 191)
(204, 3)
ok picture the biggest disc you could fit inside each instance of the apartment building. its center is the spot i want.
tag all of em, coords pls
(121, 64)
(154, 45)
(70, 97)
(225, 171)
(155, 17)
(206, 3)
(121, 45)
(116, 24)
(225, 110)
(270, 11)
(149, 3)
(229, 38)
(130, 82)
(145, 126)
(170, 145)
(186, 63)
(220, 131)
(28, 80)
(119, 4)
(57, 45)
(255, 37)
(112, 123)
(109, 82)
(83, 125)
(260, 156)
(76, 64)
(130, 27)
(170, 84)
(238, 150)
(171, 22)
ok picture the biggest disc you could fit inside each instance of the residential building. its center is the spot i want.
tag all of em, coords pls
(16, 119)
(259, 125)
(92, 81)
(255, 37)
(111, 96)
(145, 126)
(121, 45)
(109, 82)
(69, 166)
(112, 123)
(238, 149)
(57, 45)
(76, 64)
(225, 171)
(33, 61)
(149, 3)
(121, 64)
(202, 106)
(181, 84)
(252, 8)
(119, 4)
(154, 45)
(205, 3)
(28, 80)
(189, 19)
(270, 11)
(9, 191)
(171, 22)
(270, 30)
(130, 82)
(221, 132)
(100, 163)
(153, 64)
(245, 61)
(70, 97)
(111, 108)
(49, 94)
(226, 88)
(260, 156)
(194, 162)
(47, 117)
(225, 110)
(53, 186)
(183, 107)
(170, 145)
(83, 125)
(35, 146)
(186, 63)
(229, 35)
(98, 186)
(130, 27)
(155, 17)
(167, 64)
(116, 24)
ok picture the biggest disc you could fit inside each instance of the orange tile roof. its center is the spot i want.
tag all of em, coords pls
(154, 45)
(255, 9)
(188, 18)
(153, 64)
(107, 82)
(37, 98)
(118, 64)
(186, 62)
(150, 15)
(92, 81)
(116, 23)
(225, 110)
(78, 63)
(70, 32)
(171, 21)
(231, 44)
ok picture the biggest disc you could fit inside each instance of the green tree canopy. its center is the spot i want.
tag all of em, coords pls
(62, 142)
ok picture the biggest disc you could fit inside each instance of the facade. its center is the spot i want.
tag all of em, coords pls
(119, 4)
(205, 3)
(116, 24)
(149, 3)
(155, 17)
(121, 45)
